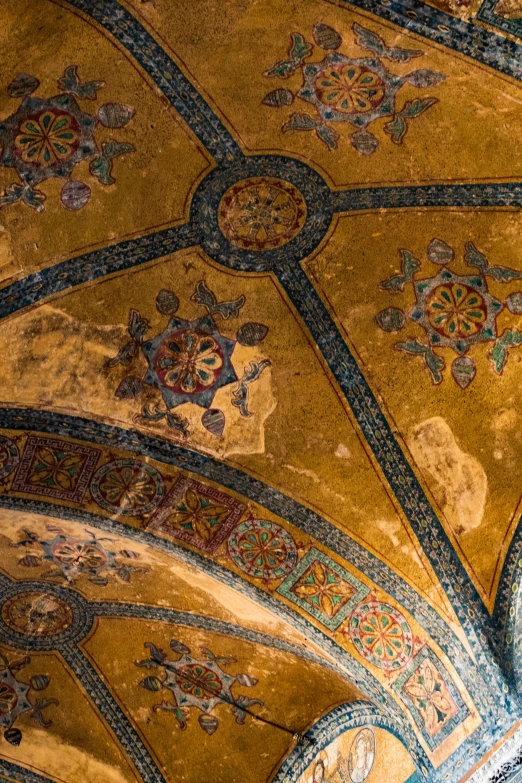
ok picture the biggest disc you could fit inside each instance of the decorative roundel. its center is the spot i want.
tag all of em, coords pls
(37, 613)
(128, 487)
(361, 756)
(261, 213)
(381, 635)
(9, 456)
(262, 549)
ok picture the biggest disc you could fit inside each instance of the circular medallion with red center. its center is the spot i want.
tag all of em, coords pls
(47, 137)
(189, 361)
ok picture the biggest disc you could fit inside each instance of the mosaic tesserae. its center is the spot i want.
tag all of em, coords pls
(260, 418)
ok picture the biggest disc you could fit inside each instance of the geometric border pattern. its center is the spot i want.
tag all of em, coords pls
(426, 653)
(21, 481)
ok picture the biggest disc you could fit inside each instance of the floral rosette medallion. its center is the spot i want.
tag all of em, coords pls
(200, 683)
(381, 635)
(190, 360)
(48, 137)
(262, 549)
(354, 90)
(455, 311)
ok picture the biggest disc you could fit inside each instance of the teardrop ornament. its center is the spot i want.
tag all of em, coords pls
(179, 647)
(214, 421)
(129, 388)
(326, 37)
(439, 252)
(208, 723)
(167, 302)
(251, 333)
(514, 303)
(30, 561)
(40, 682)
(463, 370)
(115, 115)
(23, 84)
(75, 195)
(151, 684)
(13, 736)
(364, 142)
(391, 319)
(280, 97)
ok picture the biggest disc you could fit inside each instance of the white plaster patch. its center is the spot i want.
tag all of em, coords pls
(343, 452)
(460, 480)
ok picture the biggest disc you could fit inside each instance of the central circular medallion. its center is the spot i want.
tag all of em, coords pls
(456, 311)
(261, 213)
(47, 137)
(199, 681)
(350, 89)
(189, 361)
(36, 613)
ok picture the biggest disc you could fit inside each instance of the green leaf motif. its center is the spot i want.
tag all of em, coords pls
(501, 274)
(417, 106)
(499, 353)
(15, 192)
(101, 166)
(300, 48)
(298, 51)
(396, 128)
(409, 266)
(434, 363)
(300, 122)
(328, 135)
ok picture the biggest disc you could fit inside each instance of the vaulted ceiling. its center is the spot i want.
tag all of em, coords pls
(260, 421)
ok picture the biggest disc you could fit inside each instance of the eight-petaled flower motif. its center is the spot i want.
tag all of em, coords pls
(47, 136)
(349, 88)
(189, 361)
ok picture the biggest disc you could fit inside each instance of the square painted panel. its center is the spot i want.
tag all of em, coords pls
(323, 589)
(431, 697)
(55, 468)
(198, 514)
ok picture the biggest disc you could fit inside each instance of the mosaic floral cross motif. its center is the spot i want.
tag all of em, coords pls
(190, 360)
(199, 683)
(48, 137)
(323, 588)
(72, 557)
(427, 689)
(198, 514)
(15, 698)
(456, 311)
(357, 90)
(55, 468)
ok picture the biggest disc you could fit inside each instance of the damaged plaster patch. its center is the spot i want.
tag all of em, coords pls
(460, 480)
(391, 527)
(343, 452)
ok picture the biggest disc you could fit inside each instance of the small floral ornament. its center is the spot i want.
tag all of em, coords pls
(190, 360)
(15, 696)
(455, 311)
(48, 137)
(202, 684)
(353, 90)
(72, 557)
